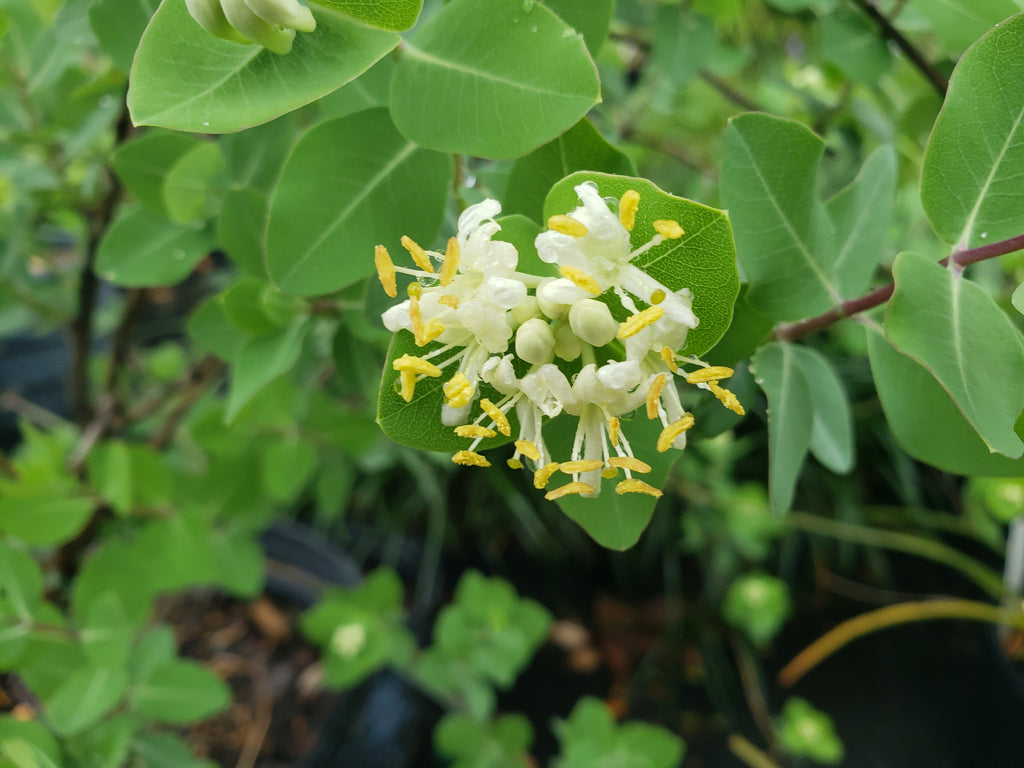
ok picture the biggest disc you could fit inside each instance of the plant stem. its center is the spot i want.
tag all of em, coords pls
(981, 575)
(749, 754)
(890, 616)
(877, 297)
(891, 33)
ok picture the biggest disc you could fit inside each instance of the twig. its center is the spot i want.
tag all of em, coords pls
(122, 338)
(256, 734)
(798, 330)
(729, 92)
(751, 680)
(890, 616)
(749, 754)
(204, 373)
(29, 411)
(890, 32)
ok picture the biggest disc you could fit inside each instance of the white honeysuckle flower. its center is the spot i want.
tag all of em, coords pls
(477, 305)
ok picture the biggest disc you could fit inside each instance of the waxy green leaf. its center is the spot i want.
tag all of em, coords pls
(144, 249)
(970, 180)
(396, 15)
(926, 422)
(186, 79)
(783, 236)
(790, 419)
(260, 360)
(143, 162)
(350, 184)
(118, 25)
(703, 259)
(832, 423)
(958, 23)
(581, 148)
(953, 328)
(492, 79)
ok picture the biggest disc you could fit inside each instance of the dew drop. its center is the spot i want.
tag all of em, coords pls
(983, 235)
(206, 123)
(528, 5)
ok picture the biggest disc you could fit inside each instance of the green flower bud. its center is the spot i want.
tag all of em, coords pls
(592, 321)
(526, 309)
(535, 341)
(241, 17)
(290, 14)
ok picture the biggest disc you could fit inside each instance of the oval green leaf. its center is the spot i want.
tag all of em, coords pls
(350, 184)
(832, 423)
(396, 15)
(143, 249)
(492, 79)
(186, 79)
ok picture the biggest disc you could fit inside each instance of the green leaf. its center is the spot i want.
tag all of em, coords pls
(861, 213)
(832, 424)
(118, 24)
(243, 305)
(475, 66)
(28, 744)
(852, 43)
(84, 698)
(1018, 298)
(683, 43)
(581, 148)
(179, 693)
(758, 604)
(191, 190)
(349, 184)
(615, 521)
(703, 259)
(145, 249)
(396, 15)
(240, 229)
(260, 360)
(106, 633)
(21, 582)
(287, 465)
(44, 515)
(807, 732)
(165, 750)
(590, 737)
(783, 236)
(591, 18)
(254, 157)
(974, 160)
(958, 23)
(790, 420)
(954, 329)
(502, 743)
(186, 79)
(926, 422)
(155, 649)
(106, 744)
(142, 163)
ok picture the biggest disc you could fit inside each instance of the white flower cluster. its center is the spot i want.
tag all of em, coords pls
(270, 23)
(483, 316)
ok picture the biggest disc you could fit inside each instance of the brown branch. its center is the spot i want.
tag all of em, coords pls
(891, 33)
(202, 375)
(798, 330)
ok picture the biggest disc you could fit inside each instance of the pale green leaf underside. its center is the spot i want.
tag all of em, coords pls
(970, 182)
(186, 79)
(926, 422)
(350, 184)
(492, 79)
(1018, 298)
(790, 420)
(954, 329)
(832, 424)
(703, 259)
(783, 235)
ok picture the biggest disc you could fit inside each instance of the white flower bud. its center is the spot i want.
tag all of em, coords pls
(592, 321)
(567, 343)
(535, 341)
(557, 295)
(524, 310)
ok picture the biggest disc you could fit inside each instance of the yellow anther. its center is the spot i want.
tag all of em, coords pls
(528, 449)
(450, 300)
(451, 261)
(628, 206)
(613, 430)
(458, 391)
(567, 226)
(670, 359)
(416, 365)
(470, 459)
(609, 473)
(542, 475)
(500, 419)
(432, 330)
(414, 290)
(408, 385)
(729, 400)
(474, 430)
(658, 296)
(674, 430)
(419, 328)
(417, 253)
(713, 373)
(385, 270)
(654, 394)
(636, 323)
(568, 489)
(581, 279)
(514, 463)
(669, 229)
(630, 463)
(637, 486)
(580, 465)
